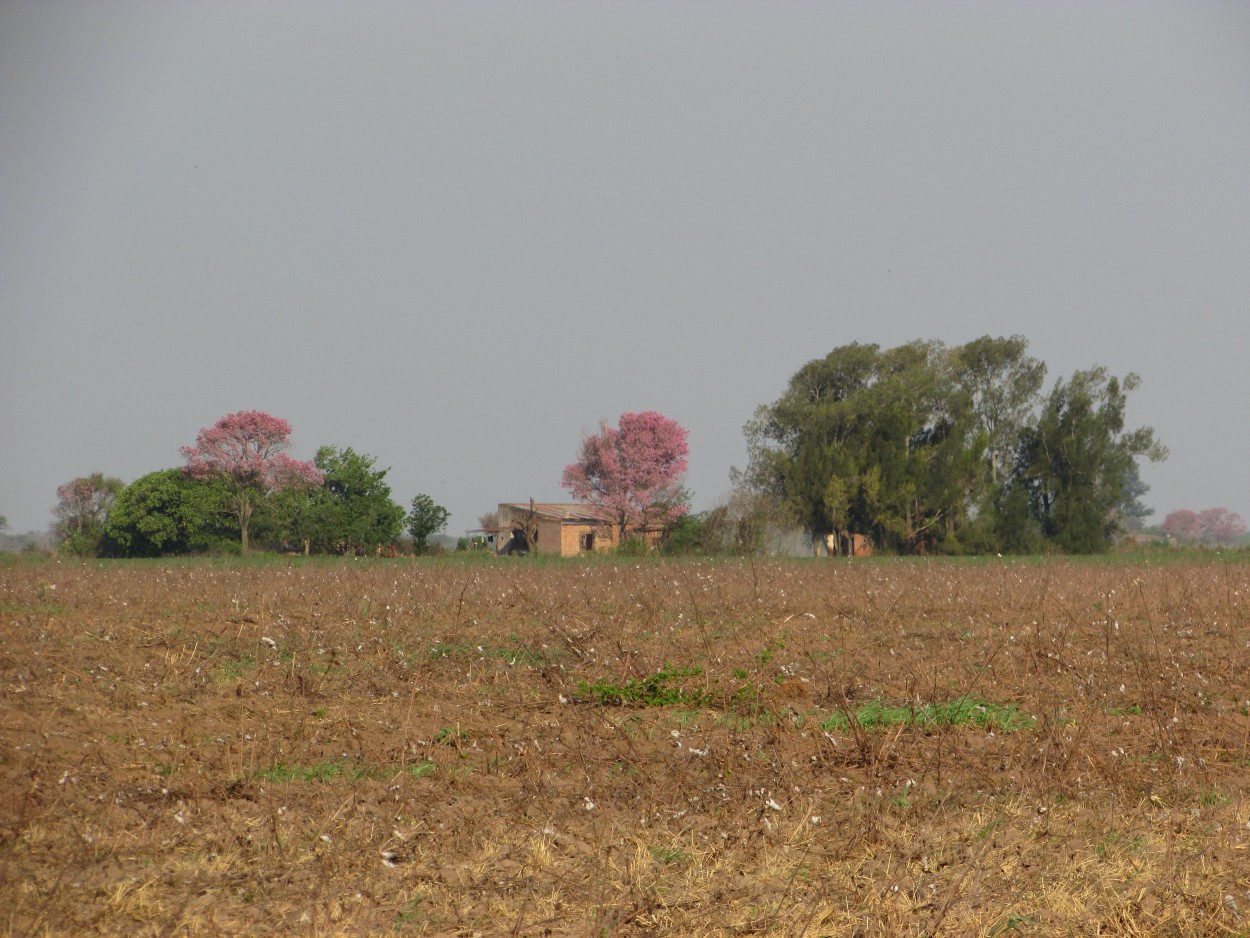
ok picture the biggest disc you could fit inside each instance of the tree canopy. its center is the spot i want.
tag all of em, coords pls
(167, 512)
(929, 448)
(350, 512)
(1077, 460)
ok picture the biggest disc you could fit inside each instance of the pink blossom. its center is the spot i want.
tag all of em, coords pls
(248, 446)
(634, 471)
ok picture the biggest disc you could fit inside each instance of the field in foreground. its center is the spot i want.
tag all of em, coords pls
(799, 748)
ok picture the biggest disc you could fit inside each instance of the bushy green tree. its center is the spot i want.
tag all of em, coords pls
(351, 510)
(425, 519)
(1015, 527)
(1078, 463)
(873, 442)
(805, 448)
(686, 535)
(1002, 382)
(168, 512)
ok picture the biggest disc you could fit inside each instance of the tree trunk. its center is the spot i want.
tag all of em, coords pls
(244, 514)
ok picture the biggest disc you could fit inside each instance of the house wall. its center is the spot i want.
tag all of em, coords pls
(547, 529)
(571, 537)
(549, 537)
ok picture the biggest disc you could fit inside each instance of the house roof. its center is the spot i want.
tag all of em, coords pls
(573, 512)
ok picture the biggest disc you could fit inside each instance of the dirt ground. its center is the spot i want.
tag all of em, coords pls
(628, 748)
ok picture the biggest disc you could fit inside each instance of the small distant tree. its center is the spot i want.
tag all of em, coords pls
(1132, 511)
(758, 522)
(686, 535)
(82, 508)
(247, 449)
(526, 521)
(425, 519)
(634, 471)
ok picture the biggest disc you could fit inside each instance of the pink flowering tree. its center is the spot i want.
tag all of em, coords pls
(247, 450)
(82, 508)
(1182, 525)
(1212, 526)
(1220, 527)
(634, 471)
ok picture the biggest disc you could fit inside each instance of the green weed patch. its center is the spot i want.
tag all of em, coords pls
(340, 769)
(963, 711)
(661, 689)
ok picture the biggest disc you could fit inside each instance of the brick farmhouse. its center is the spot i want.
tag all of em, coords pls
(562, 529)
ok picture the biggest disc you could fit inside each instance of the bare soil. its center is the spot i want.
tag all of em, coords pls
(624, 748)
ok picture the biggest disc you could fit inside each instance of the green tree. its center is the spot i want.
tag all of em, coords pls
(873, 442)
(167, 512)
(927, 448)
(351, 510)
(1003, 384)
(919, 442)
(805, 448)
(425, 519)
(1132, 511)
(1078, 463)
(684, 536)
(1015, 526)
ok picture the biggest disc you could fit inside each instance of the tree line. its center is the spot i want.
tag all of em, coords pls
(239, 487)
(918, 449)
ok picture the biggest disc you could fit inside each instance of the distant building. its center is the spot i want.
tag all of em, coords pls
(558, 528)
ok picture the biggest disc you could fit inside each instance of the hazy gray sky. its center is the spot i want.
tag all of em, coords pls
(456, 236)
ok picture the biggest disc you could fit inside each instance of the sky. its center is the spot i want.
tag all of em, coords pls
(456, 236)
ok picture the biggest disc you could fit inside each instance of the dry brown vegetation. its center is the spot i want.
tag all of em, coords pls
(624, 748)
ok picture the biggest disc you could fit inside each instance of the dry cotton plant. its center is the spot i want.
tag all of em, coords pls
(625, 748)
